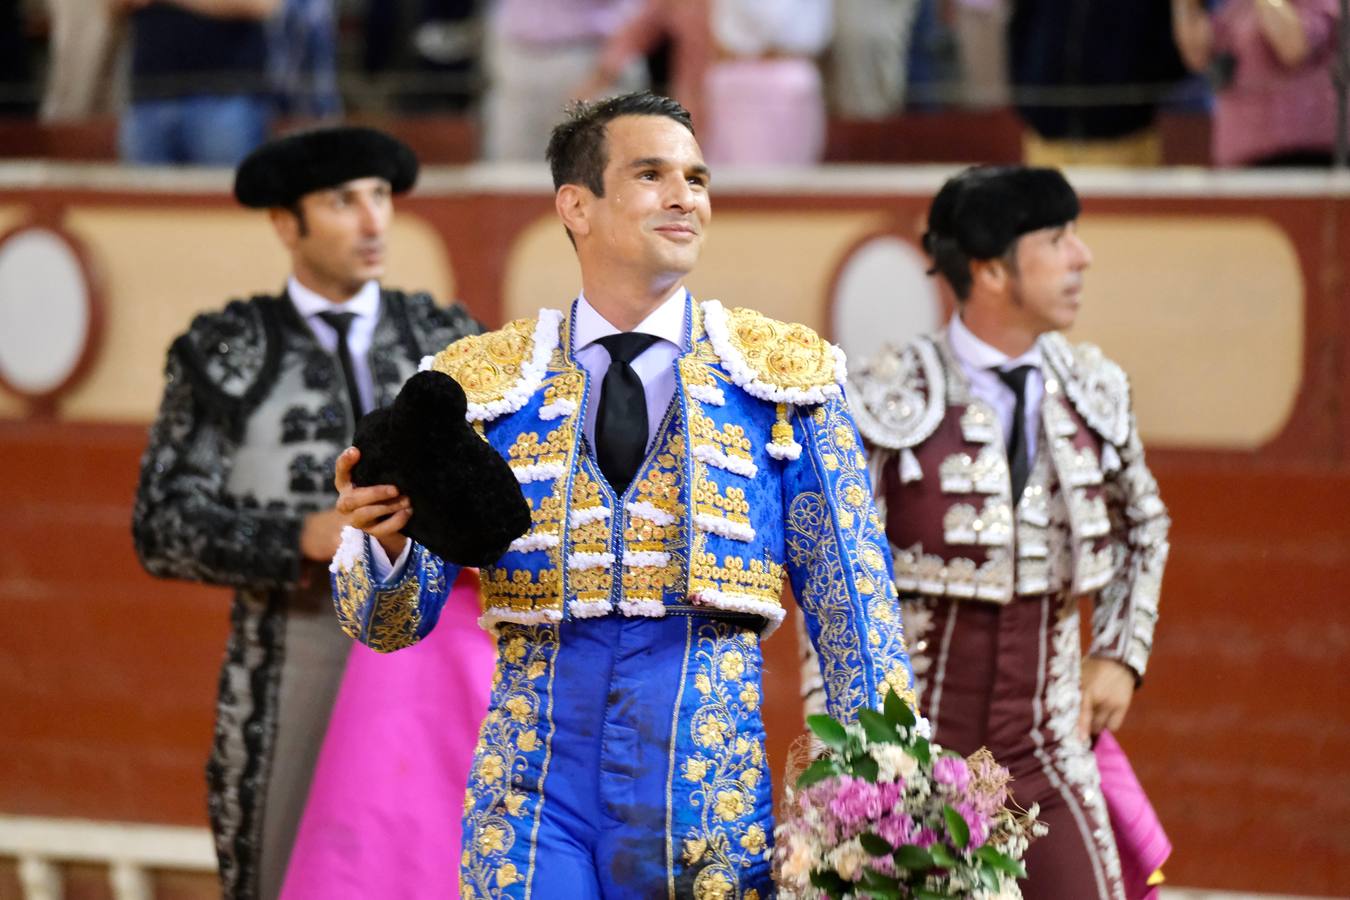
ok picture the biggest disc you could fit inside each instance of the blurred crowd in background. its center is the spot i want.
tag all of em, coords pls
(204, 81)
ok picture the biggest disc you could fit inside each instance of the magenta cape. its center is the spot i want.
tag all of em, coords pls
(383, 815)
(1143, 844)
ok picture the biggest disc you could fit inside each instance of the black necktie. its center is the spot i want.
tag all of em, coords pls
(621, 421)
(341, 322)
(1019, 464)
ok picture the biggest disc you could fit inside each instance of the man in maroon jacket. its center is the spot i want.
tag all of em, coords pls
(1010, 474)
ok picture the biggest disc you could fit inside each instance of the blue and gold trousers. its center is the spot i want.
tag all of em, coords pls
(621, 758)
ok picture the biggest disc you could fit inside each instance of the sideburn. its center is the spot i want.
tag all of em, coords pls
(1009, 260)
(301, 225)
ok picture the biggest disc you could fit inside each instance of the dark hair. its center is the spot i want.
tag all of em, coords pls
(576, 149)
(949, 261)
(953, 263)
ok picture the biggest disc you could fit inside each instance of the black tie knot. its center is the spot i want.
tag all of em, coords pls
(626, 346)
(338, 321)
(1016, 378)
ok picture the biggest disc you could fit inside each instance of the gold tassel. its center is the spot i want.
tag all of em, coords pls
(783, 442)
(782, 429)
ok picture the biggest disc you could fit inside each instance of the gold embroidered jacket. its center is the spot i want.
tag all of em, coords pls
(755, 474)
(1089, 521)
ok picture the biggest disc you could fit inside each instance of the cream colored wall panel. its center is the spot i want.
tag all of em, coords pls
(780, 263)
(1206, 315)
(162, 266)
(418, 260)
(12, 216)
(541, 270)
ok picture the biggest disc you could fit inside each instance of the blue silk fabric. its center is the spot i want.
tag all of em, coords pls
(622, 754)
(654, 783)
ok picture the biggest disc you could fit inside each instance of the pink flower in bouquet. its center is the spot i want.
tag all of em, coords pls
(926, 837)
(884, 864)
(976, 821)
(857, 802)
(896, 829)
(952, 771)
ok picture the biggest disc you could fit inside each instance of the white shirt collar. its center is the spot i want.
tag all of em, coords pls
(665, 322)
(976, 355)
(365, 302)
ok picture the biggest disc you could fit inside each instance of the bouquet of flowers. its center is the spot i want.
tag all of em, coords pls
(887, 814)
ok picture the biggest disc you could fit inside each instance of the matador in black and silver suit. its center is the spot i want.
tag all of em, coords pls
(237, 480)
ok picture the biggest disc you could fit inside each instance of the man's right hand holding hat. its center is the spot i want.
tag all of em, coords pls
(379, 510)
(419, 470)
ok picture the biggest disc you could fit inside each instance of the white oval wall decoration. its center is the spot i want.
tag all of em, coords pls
(46, 311)
(882, 295)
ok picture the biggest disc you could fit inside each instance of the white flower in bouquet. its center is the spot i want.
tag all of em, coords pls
(848, 858)
(893, 763)
(923, 728)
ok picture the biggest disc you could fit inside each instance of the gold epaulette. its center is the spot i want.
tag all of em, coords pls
(777, 361)
(500, 370)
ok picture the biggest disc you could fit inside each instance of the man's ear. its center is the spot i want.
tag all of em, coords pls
(990, 274)
(286, 224)
(573, 203)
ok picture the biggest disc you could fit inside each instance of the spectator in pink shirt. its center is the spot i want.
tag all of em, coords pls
(1276, 103)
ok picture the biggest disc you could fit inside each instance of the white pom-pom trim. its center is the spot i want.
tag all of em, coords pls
(557, 409)
(538, 471)
(784, 451)
(714, 457)
(588, 609)
(351, 550)
(496, 615)
(584, 559)
(586, 515)
(645, 510)
(426, 363)
(732, 601)
(532, 371)
(645, 558)
(710, 394)
(650, 609)
(724, 527)
(719, 333)
(542, 540)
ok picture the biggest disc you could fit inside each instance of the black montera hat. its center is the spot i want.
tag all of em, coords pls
(283, 170)
(467, 504)
(985, 208)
